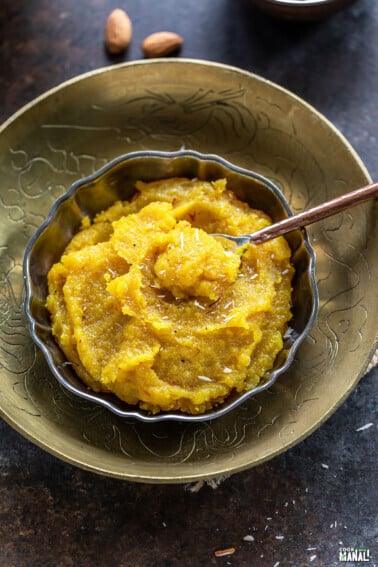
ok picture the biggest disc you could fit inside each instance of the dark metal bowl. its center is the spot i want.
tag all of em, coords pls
(304, 10)
(116, 181)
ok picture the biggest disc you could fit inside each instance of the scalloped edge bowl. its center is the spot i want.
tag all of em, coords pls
(115, 181)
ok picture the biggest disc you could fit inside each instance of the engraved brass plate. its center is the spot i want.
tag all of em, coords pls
(69, 133)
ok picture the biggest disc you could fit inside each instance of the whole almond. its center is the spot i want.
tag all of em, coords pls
(118, 31)
(161, 43)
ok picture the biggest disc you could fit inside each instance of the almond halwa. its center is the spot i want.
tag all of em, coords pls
(147, 304)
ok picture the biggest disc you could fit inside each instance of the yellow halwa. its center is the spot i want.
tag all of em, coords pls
(147, 304)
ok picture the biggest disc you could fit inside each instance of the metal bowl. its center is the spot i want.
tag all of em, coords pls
(301, 9)
(116, 181)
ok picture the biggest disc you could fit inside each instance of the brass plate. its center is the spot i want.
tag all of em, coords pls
(72, 131)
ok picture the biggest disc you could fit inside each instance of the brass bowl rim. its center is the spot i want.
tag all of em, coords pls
(136, 413)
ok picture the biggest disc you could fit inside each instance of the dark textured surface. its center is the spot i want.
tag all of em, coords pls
(302, 506)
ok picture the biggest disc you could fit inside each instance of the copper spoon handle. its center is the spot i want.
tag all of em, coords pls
(317, 213)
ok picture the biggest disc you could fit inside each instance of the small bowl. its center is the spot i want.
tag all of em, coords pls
(116, 181)
(303, 10)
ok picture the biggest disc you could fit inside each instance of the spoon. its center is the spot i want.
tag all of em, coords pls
(305, 218)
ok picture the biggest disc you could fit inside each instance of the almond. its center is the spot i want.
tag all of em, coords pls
(161, 43)
(118, 31)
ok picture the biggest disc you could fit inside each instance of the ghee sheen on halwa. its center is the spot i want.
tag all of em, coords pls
(147, 304)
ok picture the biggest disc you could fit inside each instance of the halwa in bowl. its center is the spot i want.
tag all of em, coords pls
(137, 307)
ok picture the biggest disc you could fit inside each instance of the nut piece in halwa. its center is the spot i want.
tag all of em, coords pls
(148, 305)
